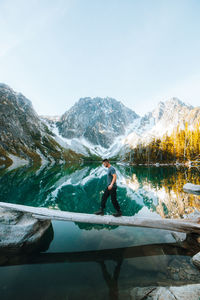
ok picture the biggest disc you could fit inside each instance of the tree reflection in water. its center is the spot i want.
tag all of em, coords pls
(78, 188)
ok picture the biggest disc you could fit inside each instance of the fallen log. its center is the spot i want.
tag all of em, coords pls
(180, 225)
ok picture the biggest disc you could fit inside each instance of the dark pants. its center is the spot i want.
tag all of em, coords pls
(113, 194)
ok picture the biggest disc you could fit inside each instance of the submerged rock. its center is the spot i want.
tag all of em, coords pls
(184, 292)
(20, 232)
(196, 260)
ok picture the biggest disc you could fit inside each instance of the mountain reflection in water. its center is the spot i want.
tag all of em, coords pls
(92, 261)
(142, 191)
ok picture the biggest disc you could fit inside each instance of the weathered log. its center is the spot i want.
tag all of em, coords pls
(181, 225)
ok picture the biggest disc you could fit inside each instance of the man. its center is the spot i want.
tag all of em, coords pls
(111, 190)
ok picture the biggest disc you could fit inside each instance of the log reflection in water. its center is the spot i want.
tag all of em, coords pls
(188, 247)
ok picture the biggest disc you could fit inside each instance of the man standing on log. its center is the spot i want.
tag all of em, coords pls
(111, 190)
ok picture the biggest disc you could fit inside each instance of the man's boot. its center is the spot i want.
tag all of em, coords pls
(118, 214)
(99, 212)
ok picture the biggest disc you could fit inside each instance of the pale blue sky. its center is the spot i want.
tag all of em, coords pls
(139, 52)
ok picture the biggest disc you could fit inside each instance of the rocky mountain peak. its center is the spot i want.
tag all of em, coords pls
(176, 102)
(168, 109)
(98, 120)
(18, 98)
(23, 136)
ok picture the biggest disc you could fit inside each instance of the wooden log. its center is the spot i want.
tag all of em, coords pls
(181, 225)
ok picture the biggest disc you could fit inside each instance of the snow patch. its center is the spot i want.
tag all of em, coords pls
(17, 162)
(44, 160)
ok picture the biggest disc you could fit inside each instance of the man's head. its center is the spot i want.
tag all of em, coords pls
(106, 163)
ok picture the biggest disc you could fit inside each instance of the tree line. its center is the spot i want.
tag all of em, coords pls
(180, 146)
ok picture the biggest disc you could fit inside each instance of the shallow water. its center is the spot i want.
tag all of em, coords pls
(92, 261)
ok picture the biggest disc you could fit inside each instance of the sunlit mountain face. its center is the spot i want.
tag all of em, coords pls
(142, 191)
(105, 127)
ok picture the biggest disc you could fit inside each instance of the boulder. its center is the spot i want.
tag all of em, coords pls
(184, 292)
(21, 232)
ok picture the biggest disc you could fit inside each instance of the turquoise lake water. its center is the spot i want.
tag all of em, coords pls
(95, 261)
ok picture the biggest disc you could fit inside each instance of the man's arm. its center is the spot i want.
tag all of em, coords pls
(113, 181)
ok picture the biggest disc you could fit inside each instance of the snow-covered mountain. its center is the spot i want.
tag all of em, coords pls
(101, 127)
(93, 126)
(106, 128)
(163, 119)
(98, 120)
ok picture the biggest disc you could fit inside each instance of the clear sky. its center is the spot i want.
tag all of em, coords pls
(139, 52)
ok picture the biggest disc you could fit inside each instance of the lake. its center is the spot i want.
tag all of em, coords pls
(96, 261)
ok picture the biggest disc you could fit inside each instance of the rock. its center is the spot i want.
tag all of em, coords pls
(184, 292)
(176, 276)
(182, 274)
(181, 270)
(179, 236)
(151, 293)
(191, 271)
(139, 293)
(196, 260)
(193, 188)
(9, 216)
(191, 291)
(20, 232)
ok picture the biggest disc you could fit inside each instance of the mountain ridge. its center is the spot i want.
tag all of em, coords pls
(99, 127)
(161, 120)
